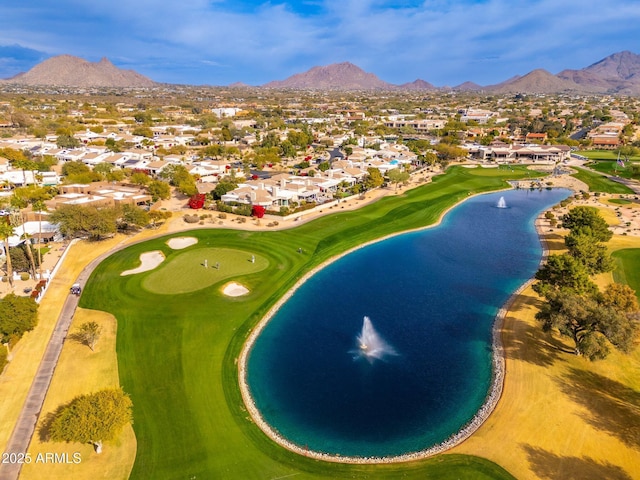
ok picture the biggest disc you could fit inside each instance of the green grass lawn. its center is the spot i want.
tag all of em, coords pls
(177, 353)
(599, 183)
(628, 268)
(604, 161)
(187, 271)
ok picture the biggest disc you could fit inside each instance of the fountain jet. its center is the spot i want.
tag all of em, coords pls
(371, 346)
(502, 203)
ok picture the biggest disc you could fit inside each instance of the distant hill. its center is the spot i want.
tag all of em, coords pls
(617, 73)
(70, 71)
(417, 85)
(468, 87)
(537, 81)
(338, 76)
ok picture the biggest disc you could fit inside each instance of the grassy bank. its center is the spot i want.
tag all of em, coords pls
(600, 183)
(177, 353)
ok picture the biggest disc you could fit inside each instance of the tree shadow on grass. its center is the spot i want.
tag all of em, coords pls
(548, 465)
(530, 344)
(553, 241)
(611, 406)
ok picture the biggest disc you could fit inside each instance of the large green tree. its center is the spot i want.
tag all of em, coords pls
(374, 178)
(587, 221)
(17, 315)
(159, 190)
(397, 176)
(592, 326)
(591, 253)
(93, 418)
(563, 272)
(85, 221)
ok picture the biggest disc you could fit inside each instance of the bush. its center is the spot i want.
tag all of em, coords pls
(24, 276)
(191, 218)
(222, 215)
(244, 210)
(223, 207)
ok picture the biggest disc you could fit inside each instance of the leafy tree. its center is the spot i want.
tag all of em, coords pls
(85, 221)
(586, 322)
(587, 220)
(93, 418)
(223, 187)
(88, 334)
(621, 297)
(132, 217)
(143, 131)
(373, 179)
(75, 168)
(287, 150)
(113, 145)
(158, 216)
(324, 166)
(447, 153)
(397, 176)
(67, 141)
(17, 315)
(561, 272)
(159, 190)
(139, 178)
(593, 255)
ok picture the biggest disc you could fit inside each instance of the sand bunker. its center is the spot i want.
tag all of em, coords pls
(148, 261)
(234, 289)
(179, 243)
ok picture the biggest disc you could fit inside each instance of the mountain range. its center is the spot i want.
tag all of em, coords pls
(70, 71)
(616, 74)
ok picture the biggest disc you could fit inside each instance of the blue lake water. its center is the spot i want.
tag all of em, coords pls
(432, 296)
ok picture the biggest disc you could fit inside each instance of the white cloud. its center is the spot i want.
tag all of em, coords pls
(440, 41)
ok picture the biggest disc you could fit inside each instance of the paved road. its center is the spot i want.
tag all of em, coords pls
(28, 419)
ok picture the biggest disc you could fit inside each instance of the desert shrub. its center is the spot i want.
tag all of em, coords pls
(24, 276)
(191, 218)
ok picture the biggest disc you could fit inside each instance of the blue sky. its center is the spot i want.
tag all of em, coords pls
(218, 42)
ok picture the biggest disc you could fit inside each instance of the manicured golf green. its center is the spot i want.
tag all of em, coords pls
(600, 183)
(177, 353)
(199, 268)
(628, 268)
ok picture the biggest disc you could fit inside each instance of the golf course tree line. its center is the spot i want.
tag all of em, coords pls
(594, 320)
(17, 316)
(95, 418)
(93, 223)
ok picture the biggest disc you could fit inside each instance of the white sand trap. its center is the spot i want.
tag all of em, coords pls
(148, 261)
(179, 243)
(234, 289)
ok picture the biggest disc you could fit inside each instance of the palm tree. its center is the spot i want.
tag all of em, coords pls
(29, 252)
(6, 231)
(39, 206)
